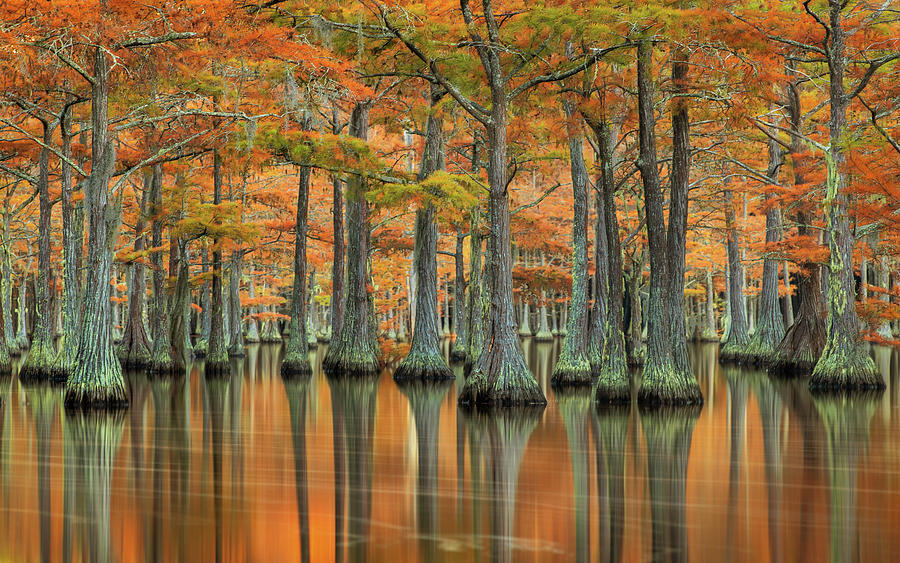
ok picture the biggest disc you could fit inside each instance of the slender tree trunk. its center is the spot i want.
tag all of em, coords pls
(97, 380)
(737, 339)
(573, 366)
(787, 305)
(844, 363)
(6, 281)
(476, 310)
(678, 211)
(217, 353)
(236, 335)
(135, 348)
(356, 351)
(769, 325)
(39, 361)
(611, 368)
(73, 240)
(161, 361)
(662, 382)
(709, 331)
(21, 318)
(252, 325)
(458, 353)
(425, 360)
(296, 355)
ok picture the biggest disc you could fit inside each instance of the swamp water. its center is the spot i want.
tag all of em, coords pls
(253, 468)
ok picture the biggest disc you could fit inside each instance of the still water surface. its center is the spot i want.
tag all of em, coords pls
(253, 468)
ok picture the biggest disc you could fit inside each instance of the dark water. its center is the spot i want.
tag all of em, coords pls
(256, 469)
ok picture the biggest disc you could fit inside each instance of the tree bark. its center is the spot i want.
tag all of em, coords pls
(425, 360)
(573, 366)
(769, 325)
(216, 363)
(39, 361)
(662, 382)
(355, 351)
(97, 379)
(236, 335)
(135, 348)
(161, 360)
(458, 353)
(296, 355)
(734, 348)
(844, 363)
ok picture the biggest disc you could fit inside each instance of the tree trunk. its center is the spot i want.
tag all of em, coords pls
(6, 282)
(611, 368)
(135, 348)
(458, 353)
(769, 325)
(573, 366)
(787, 305)
(425, 360)
(296, 354)
(97, 380)
(662, 382)
(476, 309)
(844, 363)
(216, 363)
(709, 331)
(73, 241)
(737, 339)
(501, 376)
(39, 361)
(355, 351)
(161, 361)
(252, 325)
(236, 335)
(678, 212)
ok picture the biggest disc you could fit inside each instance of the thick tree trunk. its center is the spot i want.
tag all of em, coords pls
(501, 376)
(135, 348)
(97, 380)
(573, 366)
(216, 363)
(425, 360)
(844, 363)
(296, 354)
(636, 312)
(737, 339)
(662, 382)
(458, 353)
(39, 361)
(769, 325)
(355, 351)
(205, 317)
(179, 312)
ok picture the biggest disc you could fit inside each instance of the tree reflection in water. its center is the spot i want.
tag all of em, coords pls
(771, 413)
(296, 389)
(425, 398)
(667, 433)
(353, 400)
(575, 406)
(503, 434)
(610, 431)
(94, 439)
(737, 393)
(44, 401)
(846, 420)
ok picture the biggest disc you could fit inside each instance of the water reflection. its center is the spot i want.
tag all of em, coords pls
(668, 433)
(254, 468)
(94, 439)
(502, 436)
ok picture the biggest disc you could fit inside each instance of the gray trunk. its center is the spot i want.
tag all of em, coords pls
(296, 355)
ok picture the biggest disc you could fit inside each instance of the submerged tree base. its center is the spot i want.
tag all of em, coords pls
(96, 396)
(543, 336)
(664, 385)
(295, 366)
(217, 369)
(733, 353)
(572, 372)
(38, 365)
(424, 367)
(502, 381)
(800, 349)
(612, 386)
(134, 360)
(853, 370)
(200, 348)
(351, 362)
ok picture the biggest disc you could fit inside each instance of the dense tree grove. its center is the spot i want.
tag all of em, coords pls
(182, 177)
